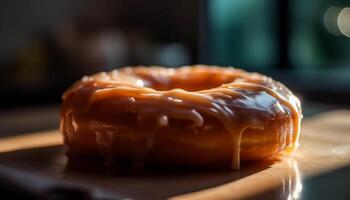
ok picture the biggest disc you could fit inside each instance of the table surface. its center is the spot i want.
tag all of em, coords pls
(324, 150)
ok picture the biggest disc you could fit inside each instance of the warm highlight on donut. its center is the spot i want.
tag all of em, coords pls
(194, 116)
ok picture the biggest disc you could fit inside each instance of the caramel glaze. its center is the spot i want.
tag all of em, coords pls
(138, 103)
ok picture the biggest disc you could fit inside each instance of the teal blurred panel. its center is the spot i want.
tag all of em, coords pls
(242, 33)
(315, 41)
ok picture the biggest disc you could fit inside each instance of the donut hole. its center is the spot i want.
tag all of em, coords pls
(189, 85)
(188, 81)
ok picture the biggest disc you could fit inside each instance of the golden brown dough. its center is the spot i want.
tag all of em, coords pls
(193, 116)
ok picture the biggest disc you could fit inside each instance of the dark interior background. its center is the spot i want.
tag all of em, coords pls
(45, 45)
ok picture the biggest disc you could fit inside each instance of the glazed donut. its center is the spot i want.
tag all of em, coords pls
(192, 115)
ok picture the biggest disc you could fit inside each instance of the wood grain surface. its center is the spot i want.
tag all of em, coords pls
(324, 146)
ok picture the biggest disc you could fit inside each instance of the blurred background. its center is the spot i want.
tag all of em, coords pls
(46, 45)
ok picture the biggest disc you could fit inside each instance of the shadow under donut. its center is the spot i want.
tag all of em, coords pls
(158, 182)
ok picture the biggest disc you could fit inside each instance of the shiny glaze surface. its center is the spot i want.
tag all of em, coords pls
(145, 99)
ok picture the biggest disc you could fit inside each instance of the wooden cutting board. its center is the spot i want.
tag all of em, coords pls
(324, 146)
